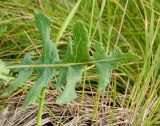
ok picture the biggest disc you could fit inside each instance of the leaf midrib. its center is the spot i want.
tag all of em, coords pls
(67, 64)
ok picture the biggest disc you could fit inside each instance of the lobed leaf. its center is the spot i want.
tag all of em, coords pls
(73, 74)
(73, 77)
(104, 68)
(81, 43)
(68, 57)
(23, 75)
(62, 78)
(44, 23)
(50, 56)
(42, 81)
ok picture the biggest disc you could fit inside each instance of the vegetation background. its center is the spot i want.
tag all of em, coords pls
(131, 98)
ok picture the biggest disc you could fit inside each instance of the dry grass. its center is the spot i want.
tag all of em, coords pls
(76, 113)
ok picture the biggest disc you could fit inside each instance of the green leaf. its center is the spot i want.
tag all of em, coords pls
(73, 74)
(68, 57)
(104, 72)
(42, 81)
(50, 56)
(73, 77)
(81, 43)
(43, 23)
(23, 75)
(119, 56)
(104, 68)
(62, 78)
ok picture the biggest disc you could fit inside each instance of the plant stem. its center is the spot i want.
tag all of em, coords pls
(114, 102)
(40, 107)
(83, 88)
(96, 107)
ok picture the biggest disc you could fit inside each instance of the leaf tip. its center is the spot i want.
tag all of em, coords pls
(64, 100)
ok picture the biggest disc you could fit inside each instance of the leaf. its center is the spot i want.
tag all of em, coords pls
(104, 72)
(104, 68)
(73, 77)
(124, 57)
(44, 23)
(68, 57)
(61, 78)
(73, 74)
(81, 43)
(23, 75)
(42, 81)
(50, 56)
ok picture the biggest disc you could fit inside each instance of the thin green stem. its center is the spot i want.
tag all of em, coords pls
(52, 114)
(83, 88)
(40, 108)
(114, 102)
(121, 24)
(91, 21)
(96, 107)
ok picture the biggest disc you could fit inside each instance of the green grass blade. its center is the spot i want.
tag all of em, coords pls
(67, 20)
